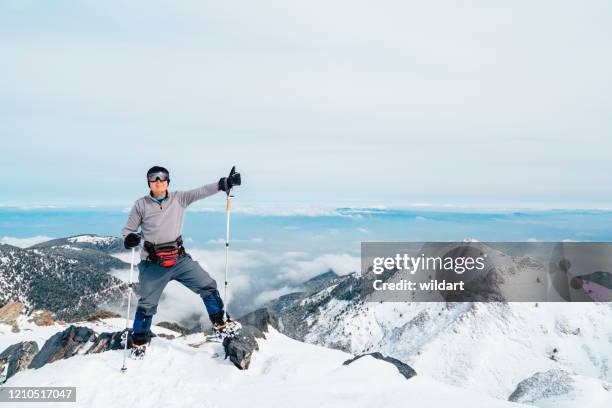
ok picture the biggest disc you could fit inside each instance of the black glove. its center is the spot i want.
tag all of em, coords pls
(131, 240)
(226, 183)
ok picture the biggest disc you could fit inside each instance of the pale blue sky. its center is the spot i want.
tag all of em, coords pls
(321, 102)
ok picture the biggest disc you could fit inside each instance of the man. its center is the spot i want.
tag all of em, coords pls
(160, 218)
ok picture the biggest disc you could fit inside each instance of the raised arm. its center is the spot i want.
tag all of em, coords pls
(187, 197)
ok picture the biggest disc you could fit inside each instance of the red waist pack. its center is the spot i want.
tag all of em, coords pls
(165, 254)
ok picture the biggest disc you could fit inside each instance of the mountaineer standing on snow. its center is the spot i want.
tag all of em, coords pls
(160, 218)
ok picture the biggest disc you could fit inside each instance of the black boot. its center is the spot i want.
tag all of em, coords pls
(224, 328)
(140, 341)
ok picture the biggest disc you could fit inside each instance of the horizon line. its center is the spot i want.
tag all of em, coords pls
(322, 210)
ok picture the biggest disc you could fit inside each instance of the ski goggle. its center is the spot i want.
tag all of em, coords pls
(162, 176)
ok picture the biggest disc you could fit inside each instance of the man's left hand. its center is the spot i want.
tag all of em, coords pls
(226, 183)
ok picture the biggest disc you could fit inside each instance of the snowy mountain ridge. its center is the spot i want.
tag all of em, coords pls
(488, 348)
(107, 244)
(465, 354)
(69, 280)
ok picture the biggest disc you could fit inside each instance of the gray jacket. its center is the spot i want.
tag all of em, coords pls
(163, 222)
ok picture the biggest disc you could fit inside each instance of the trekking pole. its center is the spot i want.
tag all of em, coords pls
(127, 315)
(228, 208)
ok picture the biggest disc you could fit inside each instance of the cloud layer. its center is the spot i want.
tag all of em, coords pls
(255, 277)
(24, 242)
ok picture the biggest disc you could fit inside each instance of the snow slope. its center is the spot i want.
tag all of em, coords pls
(284, 372)
(484, 347)
(488, 348)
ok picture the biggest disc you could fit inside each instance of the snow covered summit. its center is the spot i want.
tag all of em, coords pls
(284, 372)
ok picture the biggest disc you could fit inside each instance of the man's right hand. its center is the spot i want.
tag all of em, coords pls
(131, 240)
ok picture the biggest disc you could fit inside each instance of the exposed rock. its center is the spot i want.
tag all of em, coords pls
(102, 314)
(483, 288)
(9, 314)
(320, 280)
(115, 341)
(403, 368)
(107, 341)
(16, 358)
(174, 327)
(167, 336)
(253, 331)
(62, 345)
(260, 319)
(543, 385)
(42, 318)
(239, 349)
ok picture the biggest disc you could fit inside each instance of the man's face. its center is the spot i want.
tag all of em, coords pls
(158, 187)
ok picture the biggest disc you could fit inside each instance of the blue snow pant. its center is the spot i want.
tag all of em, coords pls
(153, 279)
